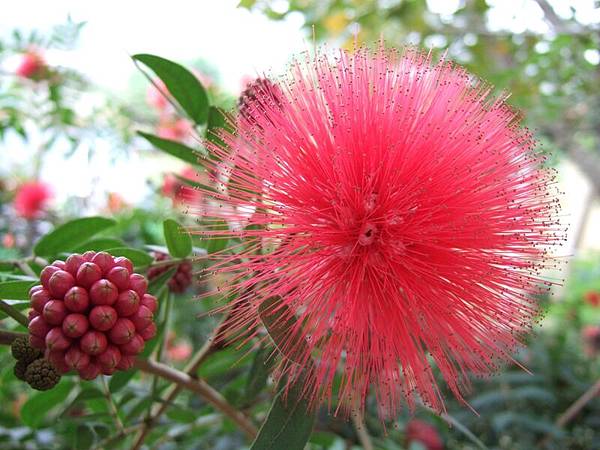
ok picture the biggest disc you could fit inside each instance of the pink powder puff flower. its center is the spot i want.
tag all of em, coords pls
(408, 219)
(32, 65)
(174, 129)
(31, 199)
(179, 191)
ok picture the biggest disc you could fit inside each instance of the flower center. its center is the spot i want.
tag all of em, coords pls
(367, 234)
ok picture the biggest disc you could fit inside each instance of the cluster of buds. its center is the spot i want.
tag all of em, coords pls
(180, 280)
(91, 314)
(32, 367)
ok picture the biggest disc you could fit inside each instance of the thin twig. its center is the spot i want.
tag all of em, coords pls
(578, 405)
(173, 391)
(201, 388)
(361, 430)
(7, 337)
(111, 403)
(14, 313)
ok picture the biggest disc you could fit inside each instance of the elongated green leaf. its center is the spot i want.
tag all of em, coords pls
(181, 83)
(178, 240)
(99, 244)
(218, 120)
(15, 290)
(173, 148)
(71, 235)
(37, 407)
(119, 380)
(259, 374)
(137, 257)
(281, 325)
(289, 423)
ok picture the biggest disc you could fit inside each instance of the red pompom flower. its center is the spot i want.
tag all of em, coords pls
(398, 211)
(31, 199)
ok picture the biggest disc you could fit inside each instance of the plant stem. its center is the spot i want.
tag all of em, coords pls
(14, 313)
(7, 337)
(361, 430)
(201, 388)
(191, 368)
(113, 408)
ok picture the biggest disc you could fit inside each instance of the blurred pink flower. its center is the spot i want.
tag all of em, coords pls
(32, 65)
(178, 191)
(31, 199)
(174, 129)
(592, 298)
(423, 433)
(8, 240)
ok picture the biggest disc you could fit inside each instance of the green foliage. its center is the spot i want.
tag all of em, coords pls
(71, 235)
(173, 148)
(178, 239)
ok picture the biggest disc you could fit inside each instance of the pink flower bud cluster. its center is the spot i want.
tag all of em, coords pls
(91, 314)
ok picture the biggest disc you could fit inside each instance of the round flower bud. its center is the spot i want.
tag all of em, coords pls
(149, 332)
(73, 263)
(54, 312)
(122, 332)
(110, 358)
(142, 318)
(93, 342)
(127, 303)
(20, 368)
(87, 256)
(75, 325)
(124, 262)
(126, 362)
(56, 340)
(38, 327)
(103, 317)
(42, 375)
(119, 276)
(60, 282)
(76, 359)
(134, 346)
(37, 287)
(32, 314)
(89, 372)
(57, 358)
(39, 299)
(103, 292)
(37, 342)
(59, 263)
(104, 261)
(87, 274)
(22, 351)
(150, 302)
(77, 299)
(46, 273)
(138, 283)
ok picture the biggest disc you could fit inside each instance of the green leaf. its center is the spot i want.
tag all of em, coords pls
(217, 120)
(281, 324)
(119, 380)
(173, 148)
(39, 405)
(289, 423)
(259, 374)
(138, 257)
(15, 290)
(99, 244)
(71, 235)
(178, 240)
(182, 85)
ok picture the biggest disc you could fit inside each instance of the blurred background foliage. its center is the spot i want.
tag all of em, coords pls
(546, 54)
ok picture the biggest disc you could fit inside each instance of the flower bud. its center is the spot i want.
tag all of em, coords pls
(104, 261)
(87, 256)
(39, 299)
(93, 342)
(57, 358)
(150, 302)
(87, 274)
(75, 325)
(124, 262)
(46, 273)
(54, 312)
(122, 332)
(77, 299)
(42, 375)
(60, 264)
(149, 332)
(142, 318)
(37, 342)
(127, 303)
(103, 292)
(138, 283)
(103, 317)
(38, 327)
(89, 372)
(23, 351)
(56, 340)
(73, 263)
(119, 276)
(126, 362)
(37, 287)
(110, 358)
(134, 346)
(31, 314)
(60, 282)
(76, 359)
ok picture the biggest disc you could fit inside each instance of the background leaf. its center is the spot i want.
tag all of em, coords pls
(178, 239)
(173, 148)
(39, 404)
(137, 257)
(15, 290)
(70, 235)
